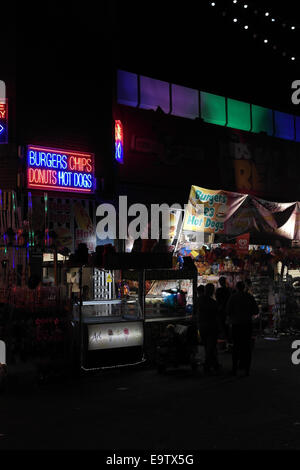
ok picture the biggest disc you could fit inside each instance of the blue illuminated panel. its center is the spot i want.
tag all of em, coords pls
(127, 88)
(284, 125)
(60, 170)
(297, 118)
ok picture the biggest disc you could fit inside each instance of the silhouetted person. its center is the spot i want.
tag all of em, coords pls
(241, 307)
(209, 327)
(222, 295)
(200, 291)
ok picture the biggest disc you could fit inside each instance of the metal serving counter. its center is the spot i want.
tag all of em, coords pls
(112, 333)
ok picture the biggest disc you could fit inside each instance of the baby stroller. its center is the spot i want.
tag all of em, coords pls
(177, 346)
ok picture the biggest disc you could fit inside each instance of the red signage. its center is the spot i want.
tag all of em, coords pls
(2, 110)
(119, 144)
(3, 123)
(242, 243)
(60, 170)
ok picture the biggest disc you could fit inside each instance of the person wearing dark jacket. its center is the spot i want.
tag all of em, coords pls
(222, 295)
(209, 327)
(241, 307)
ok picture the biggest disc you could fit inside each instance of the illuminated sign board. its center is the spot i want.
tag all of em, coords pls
(60, 170)
(3, 122)
(119, 141)
(115, 335)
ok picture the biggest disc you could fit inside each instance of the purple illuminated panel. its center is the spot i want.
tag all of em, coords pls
(284, 125)
(154, 93)
(185, 102)
(127, 88)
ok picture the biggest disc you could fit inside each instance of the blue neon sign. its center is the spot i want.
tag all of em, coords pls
(60, 170)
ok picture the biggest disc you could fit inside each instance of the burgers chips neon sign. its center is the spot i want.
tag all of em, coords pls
(60, 170)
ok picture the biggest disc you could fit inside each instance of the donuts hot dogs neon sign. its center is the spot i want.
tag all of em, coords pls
(60, 170)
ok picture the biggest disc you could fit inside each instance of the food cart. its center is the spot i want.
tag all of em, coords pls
(110, 332)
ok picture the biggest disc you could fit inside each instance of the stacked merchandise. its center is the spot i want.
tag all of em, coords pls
(260, 291)
(226, 261)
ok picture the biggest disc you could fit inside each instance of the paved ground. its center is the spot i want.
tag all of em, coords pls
(140, 409)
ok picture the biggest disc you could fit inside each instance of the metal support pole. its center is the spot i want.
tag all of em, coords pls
(55, 267)
(142, 292)
(80, 317)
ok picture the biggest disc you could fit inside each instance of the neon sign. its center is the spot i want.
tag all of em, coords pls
(119, 141)
(60, 170)
(3, 123)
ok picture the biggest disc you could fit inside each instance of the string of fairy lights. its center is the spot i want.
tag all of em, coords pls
(263, 25)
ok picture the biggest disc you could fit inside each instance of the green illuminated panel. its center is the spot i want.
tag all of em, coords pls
(213, 108)
(262, 119)
(238, 115)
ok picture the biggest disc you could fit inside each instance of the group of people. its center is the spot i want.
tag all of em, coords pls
(226, 314)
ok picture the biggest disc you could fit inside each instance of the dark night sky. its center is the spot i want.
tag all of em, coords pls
(192, 44)
(63, 51)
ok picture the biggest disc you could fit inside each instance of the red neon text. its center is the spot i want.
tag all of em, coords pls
(38, 176)
(80, 164)
(2, 111)
(118, 131)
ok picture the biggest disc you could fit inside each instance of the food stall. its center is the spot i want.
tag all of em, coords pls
(241, 237)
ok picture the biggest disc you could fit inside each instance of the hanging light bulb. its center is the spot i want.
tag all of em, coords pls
(212, 4)
(267, 13)
(245, 6)
(246, 26)
(273, 19)
(265, 41)
(234, 20)
(293, 58)
(284, 53)
(293, 27)
(234, 1)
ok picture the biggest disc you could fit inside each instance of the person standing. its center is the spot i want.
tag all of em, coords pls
(208, 315)
(222, 295)
(241, 307)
